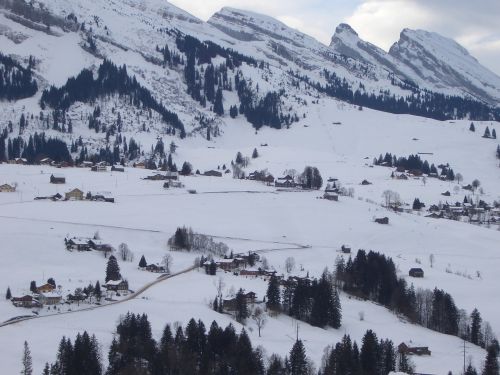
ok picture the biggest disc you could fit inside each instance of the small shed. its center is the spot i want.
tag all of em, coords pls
(382, 220)
(345, 249)
(212, 173)
(416, 272)
(57, 179)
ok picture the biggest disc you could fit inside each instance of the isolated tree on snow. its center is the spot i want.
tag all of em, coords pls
(472, 128)
(494, 134)
(112, 269)
(187, 169)
(255, 154)
(208, 133)
(259, 318)
(142, 262)
(476, 183)
(8, 295)
(487, 133)
(27, 361)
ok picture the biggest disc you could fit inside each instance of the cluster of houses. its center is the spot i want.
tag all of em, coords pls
(231, 304)
(45, 295)
(235, 264)
(167, 176)
(87, 244)
(78, 195)
(155, 268)
(7, 188)
(49, 295)
(481, 213)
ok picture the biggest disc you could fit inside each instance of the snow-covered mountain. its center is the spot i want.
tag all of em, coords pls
(427, 59)
(277, 61)
(445, 63)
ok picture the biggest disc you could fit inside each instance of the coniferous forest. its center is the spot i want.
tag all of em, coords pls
(110, 80)
(16, 82)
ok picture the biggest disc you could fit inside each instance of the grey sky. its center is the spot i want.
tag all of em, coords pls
(474, 24)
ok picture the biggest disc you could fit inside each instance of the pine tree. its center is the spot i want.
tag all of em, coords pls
(472, 128)
(298, 359)
(33, 287)
(112, 269)
(97, 290)
(470, 370)
(255, 154)
(491, 362)
(218, 105)
(273, 294)
(8, 295)
(370, 352)
(475, 328)
(487, 133)
(494, 134)
(46, 369)
(241, 306)
(27, 361)
(142, 262)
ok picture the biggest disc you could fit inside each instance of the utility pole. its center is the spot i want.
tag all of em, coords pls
(464, 355)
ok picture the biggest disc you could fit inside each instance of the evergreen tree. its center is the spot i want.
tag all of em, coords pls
(33, 287)
(8, 295)
(475, 328)
(142, 262)
(487, 133)
(112, 269)
(241, 306)
(27, 361)
(472, 128)
(273, 294)
(494, 134)
(298, 359)
(470, 370)
(218, 105)
(255, 154)
(97, 291)
(491, 363)
(370, 354)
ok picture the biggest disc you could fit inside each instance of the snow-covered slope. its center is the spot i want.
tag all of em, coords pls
(446, 64)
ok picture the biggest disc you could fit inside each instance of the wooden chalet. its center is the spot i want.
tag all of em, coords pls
(79, 244)
(49, 298)
(114, 168)
(27, 301)
(285, 182)
(74, 195)
(345, 249)
(212, 173)
(45, 288)
(57, 179)
(102, 196)
(331, 195)
(117, 285)
(99, 167)
(404, 348)
(155, 268)
(99, 245)
(169, 175)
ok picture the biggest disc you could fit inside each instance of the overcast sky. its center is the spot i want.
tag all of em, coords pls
(474, 24)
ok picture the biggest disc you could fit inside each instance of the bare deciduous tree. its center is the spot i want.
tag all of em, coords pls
(431, 260)
(125, 253)
(259, 318)
(289, 264)
(167, 262)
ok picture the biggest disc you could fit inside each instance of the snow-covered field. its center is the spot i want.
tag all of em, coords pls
(251, 216)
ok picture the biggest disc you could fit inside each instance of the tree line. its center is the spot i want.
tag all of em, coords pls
(414, 163)
(217, 350)
(372, 276)
(314, 301)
